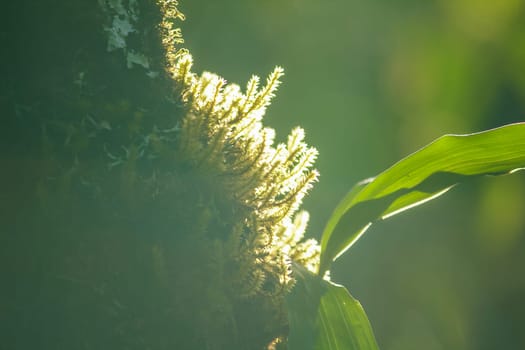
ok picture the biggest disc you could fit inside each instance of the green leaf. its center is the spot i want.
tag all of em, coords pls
(420, 177)
(324, 316)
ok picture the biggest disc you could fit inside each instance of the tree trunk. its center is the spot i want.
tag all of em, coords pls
(136, 211)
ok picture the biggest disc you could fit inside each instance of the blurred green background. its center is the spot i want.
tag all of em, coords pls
(372, 81)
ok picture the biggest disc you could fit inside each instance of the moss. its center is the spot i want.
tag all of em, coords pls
(149, 210)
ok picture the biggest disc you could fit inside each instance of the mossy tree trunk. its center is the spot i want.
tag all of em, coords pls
(83, 234)
(142, 206)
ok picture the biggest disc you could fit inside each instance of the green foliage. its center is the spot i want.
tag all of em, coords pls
(324, 316)
(420, 177)
(334, 320)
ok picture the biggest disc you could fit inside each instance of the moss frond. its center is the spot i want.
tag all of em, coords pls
(171, 36)
(223, 133)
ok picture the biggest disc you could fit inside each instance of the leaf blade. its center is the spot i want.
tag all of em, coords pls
(422, 176)
(324, 316)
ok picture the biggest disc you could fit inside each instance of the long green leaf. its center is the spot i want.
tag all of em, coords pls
(324, 316)
(420, 177)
